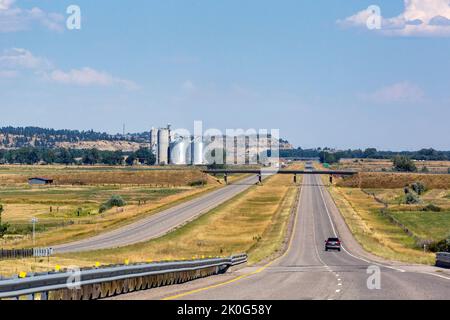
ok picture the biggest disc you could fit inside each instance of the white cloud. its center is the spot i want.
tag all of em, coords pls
(17, 60)
(6, 4)
(397, 93)
(13, 18)
(419, 18)
(89, 77)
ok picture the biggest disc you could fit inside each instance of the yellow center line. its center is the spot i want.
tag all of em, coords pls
(247, 274)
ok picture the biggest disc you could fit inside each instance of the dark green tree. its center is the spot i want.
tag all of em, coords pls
(145, 156)
(91, 157)
(130, 159)
(404, 164)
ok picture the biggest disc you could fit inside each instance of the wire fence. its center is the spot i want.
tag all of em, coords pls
(15, 254)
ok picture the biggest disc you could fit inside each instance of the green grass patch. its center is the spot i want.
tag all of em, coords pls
(426, 225)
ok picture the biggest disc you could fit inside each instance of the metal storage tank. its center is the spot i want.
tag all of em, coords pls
(180, 151)
(163, 146)
(197, 151)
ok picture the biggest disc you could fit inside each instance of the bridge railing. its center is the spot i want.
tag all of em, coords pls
(97, 283)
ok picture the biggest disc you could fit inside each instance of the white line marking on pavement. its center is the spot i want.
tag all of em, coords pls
(437, 275)
(334, 230)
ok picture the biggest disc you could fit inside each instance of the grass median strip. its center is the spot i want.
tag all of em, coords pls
(254, 221)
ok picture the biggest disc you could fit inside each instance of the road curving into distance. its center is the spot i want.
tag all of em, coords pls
(159, 223)
(306, 271)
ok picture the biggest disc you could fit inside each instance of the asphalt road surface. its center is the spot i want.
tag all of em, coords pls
(306, 271)
(160, 223)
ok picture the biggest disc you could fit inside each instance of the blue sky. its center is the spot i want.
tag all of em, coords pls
(309, 68)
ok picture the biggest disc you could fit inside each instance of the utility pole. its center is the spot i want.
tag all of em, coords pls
(34, 221)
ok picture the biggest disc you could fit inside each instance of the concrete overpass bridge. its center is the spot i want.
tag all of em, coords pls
(268, 171)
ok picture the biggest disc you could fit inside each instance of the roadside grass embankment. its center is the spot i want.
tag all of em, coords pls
(254, 222)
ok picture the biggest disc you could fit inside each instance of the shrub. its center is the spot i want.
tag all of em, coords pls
(197, 183)
(114, 201)
(404, 164)
(432, 208)
(440, 246)
(411, 198)
(103, 208)
(418, 188)
(425, 170)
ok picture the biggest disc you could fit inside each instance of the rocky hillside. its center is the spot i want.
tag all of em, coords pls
(14, 138)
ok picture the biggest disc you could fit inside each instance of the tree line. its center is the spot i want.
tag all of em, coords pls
(33, 155)
(331, 156)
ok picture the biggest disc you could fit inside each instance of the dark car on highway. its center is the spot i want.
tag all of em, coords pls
(333, 244)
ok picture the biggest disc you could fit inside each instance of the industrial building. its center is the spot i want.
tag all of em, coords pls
(175, 149)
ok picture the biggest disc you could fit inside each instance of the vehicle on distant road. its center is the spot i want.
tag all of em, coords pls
(333, 244)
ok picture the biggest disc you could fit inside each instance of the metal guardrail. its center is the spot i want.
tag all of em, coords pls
(96, 283)
(443, 259)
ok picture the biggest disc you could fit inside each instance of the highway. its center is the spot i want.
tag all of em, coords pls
(160, 223)
(306, 271)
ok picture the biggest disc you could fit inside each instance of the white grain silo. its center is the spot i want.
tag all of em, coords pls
(154, 142)
(153, 138)
(163, 146)
(197, 147)
(180, 151)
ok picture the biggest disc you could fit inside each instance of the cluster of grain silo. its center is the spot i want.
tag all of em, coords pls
(170, 147)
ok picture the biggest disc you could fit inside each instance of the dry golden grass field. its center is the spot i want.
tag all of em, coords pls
(254, 222)
(103, 175)
(381, 164)
(68, 212)
(384, 180)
